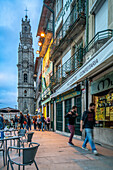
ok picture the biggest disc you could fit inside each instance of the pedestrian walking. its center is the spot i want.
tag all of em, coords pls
(28, 122)
(21, 120)
(39, 122)
(25, 122)
(35, 122)
(42, 121)
(48, 123)
(16, 121)
(88, 122)
(71, 126)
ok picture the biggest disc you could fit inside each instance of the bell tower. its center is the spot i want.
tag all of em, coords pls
(26, 69)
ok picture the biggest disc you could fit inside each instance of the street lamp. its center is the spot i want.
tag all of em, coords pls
(40, 43)
(37, 52)
(42, 34)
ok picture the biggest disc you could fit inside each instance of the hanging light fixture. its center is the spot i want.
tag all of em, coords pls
(42, 34)
(37, 52)
(40, 43)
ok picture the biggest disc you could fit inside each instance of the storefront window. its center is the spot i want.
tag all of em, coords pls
(104, 110)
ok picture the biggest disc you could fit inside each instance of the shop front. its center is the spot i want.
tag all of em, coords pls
(64, 103)
(102, 91)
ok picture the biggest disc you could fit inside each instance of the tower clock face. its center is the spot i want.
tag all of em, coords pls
(25, 47)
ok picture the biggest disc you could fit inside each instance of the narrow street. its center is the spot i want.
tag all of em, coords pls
(55, 153)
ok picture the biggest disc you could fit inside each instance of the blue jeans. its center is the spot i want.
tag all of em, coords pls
(42, 126)
(89, 138)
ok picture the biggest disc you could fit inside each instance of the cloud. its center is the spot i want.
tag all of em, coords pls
(8, 98)
(7, 79)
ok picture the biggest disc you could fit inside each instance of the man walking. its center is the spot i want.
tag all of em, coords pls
(88, 119)
(21, 120)
(71, 116)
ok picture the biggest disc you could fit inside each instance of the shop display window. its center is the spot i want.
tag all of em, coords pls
(104, 110)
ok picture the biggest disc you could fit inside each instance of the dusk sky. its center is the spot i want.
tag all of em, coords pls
(11, 14)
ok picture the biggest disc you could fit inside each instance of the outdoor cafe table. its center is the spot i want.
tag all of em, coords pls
(10, 130)
(5, 139)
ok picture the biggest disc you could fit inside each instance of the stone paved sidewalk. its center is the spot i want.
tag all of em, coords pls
(55, 154)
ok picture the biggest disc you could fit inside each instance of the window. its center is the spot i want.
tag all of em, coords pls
(58, 72)
(25, 28)
(101, 18)
(58, 6)
(25, 93)
(25, 105)
(25, 78)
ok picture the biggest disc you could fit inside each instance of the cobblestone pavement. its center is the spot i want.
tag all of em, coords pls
(55, 154)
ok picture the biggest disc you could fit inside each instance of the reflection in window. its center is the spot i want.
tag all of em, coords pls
(25, 78)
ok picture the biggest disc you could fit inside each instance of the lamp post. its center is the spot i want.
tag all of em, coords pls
(52, 11)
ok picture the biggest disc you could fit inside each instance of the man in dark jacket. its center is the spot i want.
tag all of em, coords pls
(71, 116)
(88, 119)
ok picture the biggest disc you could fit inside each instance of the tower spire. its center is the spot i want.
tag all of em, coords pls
(26, 12)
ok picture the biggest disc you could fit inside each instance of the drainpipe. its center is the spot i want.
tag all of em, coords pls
(87, 39)
(87, 22)
(86, 84)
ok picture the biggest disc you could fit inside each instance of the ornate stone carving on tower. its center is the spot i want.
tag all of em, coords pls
(26, 69)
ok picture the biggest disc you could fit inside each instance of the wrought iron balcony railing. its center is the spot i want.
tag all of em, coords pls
(77, 11)
(101, 38)
(68, 68)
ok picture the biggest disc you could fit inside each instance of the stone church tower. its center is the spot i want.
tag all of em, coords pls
(26, 69)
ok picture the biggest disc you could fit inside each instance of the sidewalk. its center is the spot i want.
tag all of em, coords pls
(55, 154)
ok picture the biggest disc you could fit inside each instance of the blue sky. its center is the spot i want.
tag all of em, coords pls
(11, 13)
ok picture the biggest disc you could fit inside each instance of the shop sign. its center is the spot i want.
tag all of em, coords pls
(65, 97)
(102, 84)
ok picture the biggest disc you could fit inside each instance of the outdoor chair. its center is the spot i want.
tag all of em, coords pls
(27, 156)
(2, 150)
(22, 134)
(28, 138)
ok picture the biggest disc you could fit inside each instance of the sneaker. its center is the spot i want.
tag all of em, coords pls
(86, 149)
(70, 143)
(95, 152)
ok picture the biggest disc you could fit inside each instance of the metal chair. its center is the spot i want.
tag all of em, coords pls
(2, 150)
(27, 157)
(22, 134)
(28, 138)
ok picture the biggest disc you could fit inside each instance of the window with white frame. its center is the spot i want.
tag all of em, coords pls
(58, 6)
(101, 18)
